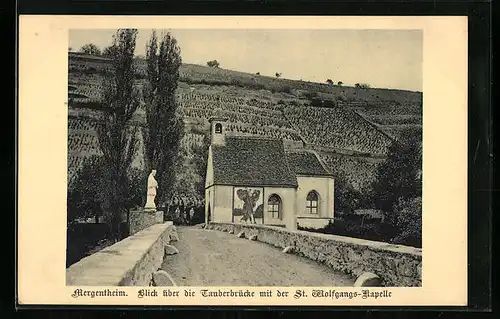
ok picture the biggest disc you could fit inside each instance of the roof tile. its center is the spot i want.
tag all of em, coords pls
(306, 163)
(249, 161)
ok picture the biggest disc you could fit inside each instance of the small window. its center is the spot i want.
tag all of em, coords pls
(312, 202)
(218, 128)
(274, 206)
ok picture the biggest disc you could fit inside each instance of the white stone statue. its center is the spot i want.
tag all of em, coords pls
(152, 186)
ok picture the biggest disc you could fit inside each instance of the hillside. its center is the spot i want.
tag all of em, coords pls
(349, 127)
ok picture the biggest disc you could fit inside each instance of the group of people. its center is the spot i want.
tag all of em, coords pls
(186, 212)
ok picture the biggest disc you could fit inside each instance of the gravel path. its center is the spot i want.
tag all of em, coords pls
(215, 258)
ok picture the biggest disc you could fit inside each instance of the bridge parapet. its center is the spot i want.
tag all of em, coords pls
(129, 262)
(396, 265)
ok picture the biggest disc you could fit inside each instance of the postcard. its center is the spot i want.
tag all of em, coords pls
(251, 161)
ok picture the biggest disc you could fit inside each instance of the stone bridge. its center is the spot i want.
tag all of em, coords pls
(224, 254)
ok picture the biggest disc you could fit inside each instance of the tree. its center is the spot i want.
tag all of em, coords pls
(258, 73)
(109, 51)
(407, 219)
(329, 81)
(347, 199)
(90, 49)
(165, 126)
(340, 83)
(85, 195)
(188, 179)
(399, 175)
(117, 139)
(213, 64)
(199, 161)
(362, 85)
(278, 75)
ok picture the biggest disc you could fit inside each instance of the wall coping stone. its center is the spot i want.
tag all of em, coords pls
(111, 265)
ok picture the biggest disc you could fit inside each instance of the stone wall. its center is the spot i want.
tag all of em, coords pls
(130, 262)
(397, 266)
(141, 219)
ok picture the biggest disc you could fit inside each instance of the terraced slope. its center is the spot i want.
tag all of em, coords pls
(350, 137)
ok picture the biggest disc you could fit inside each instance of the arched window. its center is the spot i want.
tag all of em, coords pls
(274, 206)
(218, 128)
(312, 202)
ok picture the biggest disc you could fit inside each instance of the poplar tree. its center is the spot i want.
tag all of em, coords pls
(117, 139)
(165, 127)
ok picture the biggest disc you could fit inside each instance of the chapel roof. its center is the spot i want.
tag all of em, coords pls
(247, 161)
(306, 163)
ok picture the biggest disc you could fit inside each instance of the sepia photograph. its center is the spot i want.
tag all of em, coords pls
(244, 157)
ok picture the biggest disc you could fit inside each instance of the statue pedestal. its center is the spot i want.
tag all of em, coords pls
(143, 218)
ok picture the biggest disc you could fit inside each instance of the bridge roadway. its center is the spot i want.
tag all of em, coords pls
(215, 258)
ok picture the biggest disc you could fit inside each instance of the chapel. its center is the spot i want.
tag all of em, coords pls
(257, 180)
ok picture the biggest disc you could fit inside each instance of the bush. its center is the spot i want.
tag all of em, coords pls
(403, 226)
(383, 232)
(398, 176)
(362, 85)
(213, 64)
(407, 217)
(85, 195)
(317, 102)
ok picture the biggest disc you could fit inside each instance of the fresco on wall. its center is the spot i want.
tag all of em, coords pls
(248, 205)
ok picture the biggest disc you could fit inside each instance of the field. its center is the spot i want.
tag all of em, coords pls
(351, 132)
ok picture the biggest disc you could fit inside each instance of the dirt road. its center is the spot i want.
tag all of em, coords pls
(215, 258)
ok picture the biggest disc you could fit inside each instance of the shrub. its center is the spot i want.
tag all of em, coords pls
(398, 176)
(213, 64)
(85, 196)
(407, 218)
(353, 228)
(362, 85)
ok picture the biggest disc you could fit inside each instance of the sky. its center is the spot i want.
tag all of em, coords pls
(381, 58)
